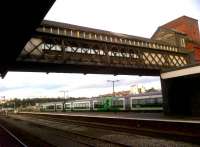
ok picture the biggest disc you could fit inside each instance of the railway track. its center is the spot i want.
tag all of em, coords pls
(80, 139)
(11, 135)
(177, 130)
(9, 139)
(84, 139)
(90, 141)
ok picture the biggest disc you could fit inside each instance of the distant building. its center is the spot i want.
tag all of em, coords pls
(182, 32)
(3, 100)
(152, 90)
(118, 94)
(137, 89)
(123, 93)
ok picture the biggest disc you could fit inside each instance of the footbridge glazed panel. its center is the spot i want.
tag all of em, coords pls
(58, 44)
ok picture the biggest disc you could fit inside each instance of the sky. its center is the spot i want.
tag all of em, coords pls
(133, 17)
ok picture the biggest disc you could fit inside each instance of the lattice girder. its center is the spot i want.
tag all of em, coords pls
(61, 50)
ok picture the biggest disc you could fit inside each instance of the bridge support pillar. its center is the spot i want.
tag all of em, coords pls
(181, 91)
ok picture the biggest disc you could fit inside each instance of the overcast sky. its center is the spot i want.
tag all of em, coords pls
(133, 17)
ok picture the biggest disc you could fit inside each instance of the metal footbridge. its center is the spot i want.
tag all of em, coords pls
(61, 47)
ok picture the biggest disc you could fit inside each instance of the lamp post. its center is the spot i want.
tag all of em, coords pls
(14, 106)
(64, 91)
(2, 102)
(113, 84)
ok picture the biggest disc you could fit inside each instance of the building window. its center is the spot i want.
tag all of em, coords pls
(182, 40)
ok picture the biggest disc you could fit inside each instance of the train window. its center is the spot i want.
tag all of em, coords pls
(142, 101)
(58, 106)
(160, 100)
(152, 100)
(81, 105)
(147, 101)
(134, 101)
(98, 105)
(67, 106)
(118, 103)
(50, 107)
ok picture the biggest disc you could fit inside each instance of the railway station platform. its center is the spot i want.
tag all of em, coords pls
(123, 128)
(132, 115)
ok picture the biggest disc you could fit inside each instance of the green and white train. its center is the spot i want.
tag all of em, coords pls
(140, 102)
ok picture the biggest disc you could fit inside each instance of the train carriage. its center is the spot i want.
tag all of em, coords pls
(146, 102)
(81, 105)
(140, 102)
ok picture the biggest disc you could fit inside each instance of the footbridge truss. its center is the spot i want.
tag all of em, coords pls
(59, 47)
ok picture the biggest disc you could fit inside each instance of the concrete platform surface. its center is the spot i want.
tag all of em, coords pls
(131, 115)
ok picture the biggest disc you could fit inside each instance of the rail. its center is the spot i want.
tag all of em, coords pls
(13, 136)
(178, 130)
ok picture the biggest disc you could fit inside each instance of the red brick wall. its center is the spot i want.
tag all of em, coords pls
(197, 53)
(196, 48)
(190, 27)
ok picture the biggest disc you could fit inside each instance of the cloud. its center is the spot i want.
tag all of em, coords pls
(47, 86)
(128, 17)
(50, 85)
(147, 80)
(196, 4)
(7, 88)
(139, 18)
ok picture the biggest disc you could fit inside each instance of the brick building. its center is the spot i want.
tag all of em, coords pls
(182, 32)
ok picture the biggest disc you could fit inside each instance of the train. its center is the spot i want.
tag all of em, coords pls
(140, 102)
